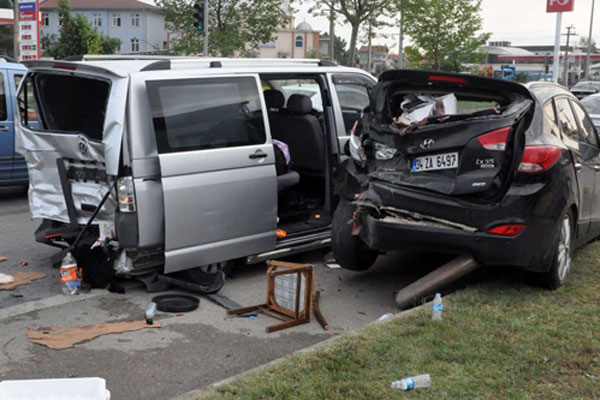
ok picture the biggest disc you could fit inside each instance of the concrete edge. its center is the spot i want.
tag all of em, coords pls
(192, 395)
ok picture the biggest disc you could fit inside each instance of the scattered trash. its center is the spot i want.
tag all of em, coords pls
(329, 258)
(227, 303)
(69, 275)
(67, 389)
(591, 376)
(437, 307)
(252, 317)
(385, 316)
(150, 313)
(176, 303)
(2, 258)
(23, 262)
(16, 295)
(317, 310)
(64, 338)
(206, 288)
(22, 278)
(5, 278)
(123, 264)
(333, 266)
(412, 382)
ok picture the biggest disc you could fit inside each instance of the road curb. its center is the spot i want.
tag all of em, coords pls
(194, 394)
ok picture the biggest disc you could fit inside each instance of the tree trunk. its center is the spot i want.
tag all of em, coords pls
(353, 37)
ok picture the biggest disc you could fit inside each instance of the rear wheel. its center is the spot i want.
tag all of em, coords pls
(349, 250)
(561, 262)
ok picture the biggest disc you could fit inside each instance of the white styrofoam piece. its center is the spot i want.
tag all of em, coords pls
(55, 389)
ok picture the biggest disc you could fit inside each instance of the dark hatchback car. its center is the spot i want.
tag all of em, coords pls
(585, 88)
(503, 172)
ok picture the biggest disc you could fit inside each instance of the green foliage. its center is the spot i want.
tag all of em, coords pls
(77, 36)
(235, 26)
(354, 13)
(583, 44)
(445, 31)
(340, 50)
(312, 53)
(521, 77)
(6, 40)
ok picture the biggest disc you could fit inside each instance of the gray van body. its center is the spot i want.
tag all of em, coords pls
(192, 207)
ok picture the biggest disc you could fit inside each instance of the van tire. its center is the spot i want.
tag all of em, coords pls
(562, 258)
(350, 251)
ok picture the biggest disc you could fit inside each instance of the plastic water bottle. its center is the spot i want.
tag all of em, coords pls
(412, 382)
(437, 307)
(69, 275)
(150, 313)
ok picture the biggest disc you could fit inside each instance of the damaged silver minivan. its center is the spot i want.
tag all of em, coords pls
(171, 162)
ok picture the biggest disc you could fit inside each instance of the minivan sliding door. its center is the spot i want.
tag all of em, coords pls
(217, 169)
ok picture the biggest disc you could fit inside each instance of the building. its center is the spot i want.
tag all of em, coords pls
(379, 57)
(139, 26)
(301, 41)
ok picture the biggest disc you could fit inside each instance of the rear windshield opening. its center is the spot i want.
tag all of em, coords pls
(69, 104)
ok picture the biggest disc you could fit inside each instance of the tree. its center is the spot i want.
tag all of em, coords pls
(583, 44)
(235, 26)
(340, 51)
(77, 37)
(355, 13)
(446, 31)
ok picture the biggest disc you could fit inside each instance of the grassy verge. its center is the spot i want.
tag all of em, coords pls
(498, 339)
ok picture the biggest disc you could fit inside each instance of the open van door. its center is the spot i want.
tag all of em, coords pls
(217, 169)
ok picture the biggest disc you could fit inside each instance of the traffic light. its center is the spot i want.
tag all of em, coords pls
(199, 16)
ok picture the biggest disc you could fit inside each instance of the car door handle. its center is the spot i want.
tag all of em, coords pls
(578, 166)
(4, 128)
(258, 154)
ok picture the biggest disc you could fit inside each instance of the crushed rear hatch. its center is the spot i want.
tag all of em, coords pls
(452, 134)
(70, 132)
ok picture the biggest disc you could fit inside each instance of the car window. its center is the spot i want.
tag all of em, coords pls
(353, 95)
(197, 114)
(306, 86)
(566, 119)
(592, 104)
(3, 112)
(549, 111)
(587, 127)
(27, 104)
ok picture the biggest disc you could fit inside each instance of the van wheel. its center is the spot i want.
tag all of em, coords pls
(562, 259)
(349, 251)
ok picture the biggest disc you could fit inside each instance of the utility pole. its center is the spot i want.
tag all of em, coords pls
(205, 47)
(369, 50)
(556, 60)
(589, 49)
(16, 29)
(331, 35)
(566, 71)
(401, 37)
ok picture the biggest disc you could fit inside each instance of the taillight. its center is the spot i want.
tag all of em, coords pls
(507, 230)
(539, 158)
(448, 79)
(495, 140)
(126, 195)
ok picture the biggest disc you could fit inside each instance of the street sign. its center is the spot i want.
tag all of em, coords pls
(560, 5)
(29, 30)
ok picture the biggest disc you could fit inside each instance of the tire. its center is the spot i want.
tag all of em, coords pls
(350, 251)
(560, 265)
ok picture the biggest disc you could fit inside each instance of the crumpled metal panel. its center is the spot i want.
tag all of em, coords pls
(41, 151)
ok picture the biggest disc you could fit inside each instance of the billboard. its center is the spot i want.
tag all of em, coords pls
(29, 30)
(560, 5)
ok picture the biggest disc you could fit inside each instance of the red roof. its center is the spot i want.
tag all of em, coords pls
(100, 5)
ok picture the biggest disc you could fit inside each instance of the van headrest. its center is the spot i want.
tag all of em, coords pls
(299, 104)
(274, 98)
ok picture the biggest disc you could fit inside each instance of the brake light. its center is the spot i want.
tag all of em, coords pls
(65, 66)
(507, 230)
(539, 158)
(126, 195)
(449, 79)
(495, 140)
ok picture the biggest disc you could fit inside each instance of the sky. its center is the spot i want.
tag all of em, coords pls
(522, 22)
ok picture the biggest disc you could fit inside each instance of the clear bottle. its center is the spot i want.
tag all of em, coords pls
(412, 382)
(69, 275)
(437, 307)
(150, 313)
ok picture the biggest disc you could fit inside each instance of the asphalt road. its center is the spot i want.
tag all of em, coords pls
(188, 352)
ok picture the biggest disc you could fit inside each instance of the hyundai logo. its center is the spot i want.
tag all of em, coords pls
(427, 143)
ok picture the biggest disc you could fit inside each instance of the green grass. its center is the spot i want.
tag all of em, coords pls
(498, 339)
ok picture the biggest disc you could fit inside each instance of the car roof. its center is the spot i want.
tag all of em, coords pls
(13, 66)
(545, 90)
(124, 66)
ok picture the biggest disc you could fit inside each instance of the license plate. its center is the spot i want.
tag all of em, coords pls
(435, 162)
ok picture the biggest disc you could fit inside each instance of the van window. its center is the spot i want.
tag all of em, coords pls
(27, 106)
(67, 104)
(197, 114)
(3, 112)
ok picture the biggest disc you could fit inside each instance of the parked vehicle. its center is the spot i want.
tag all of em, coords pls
(585, 88)
(13, 170)
(188, 144)
(511, 178)
(592, 106)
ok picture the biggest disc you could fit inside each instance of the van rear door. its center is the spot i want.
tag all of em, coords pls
(6, 130)
(217, 168)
